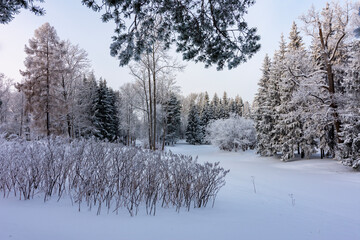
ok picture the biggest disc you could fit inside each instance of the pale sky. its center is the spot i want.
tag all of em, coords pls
(82, 26)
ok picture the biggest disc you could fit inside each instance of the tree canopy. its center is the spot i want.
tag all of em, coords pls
(9, 8)
(209, 31)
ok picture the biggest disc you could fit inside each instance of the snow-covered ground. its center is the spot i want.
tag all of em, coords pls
(305, 199)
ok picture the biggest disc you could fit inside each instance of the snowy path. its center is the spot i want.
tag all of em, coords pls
(309, 199)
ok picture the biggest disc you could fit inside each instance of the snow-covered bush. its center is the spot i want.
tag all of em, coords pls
(106, 175)
(233, 133)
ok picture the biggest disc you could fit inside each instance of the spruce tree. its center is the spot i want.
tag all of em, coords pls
(277, 74)
(107, 123)
(173, 120)
(194, 131)
(224, 108)
(263, 114)
(290, 124)
(349, 150)
(215, 105)
(206, 116)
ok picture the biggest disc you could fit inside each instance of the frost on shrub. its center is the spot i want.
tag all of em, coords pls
(233, 133)
(106, 175)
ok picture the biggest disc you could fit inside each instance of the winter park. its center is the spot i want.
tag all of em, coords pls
(173, 120)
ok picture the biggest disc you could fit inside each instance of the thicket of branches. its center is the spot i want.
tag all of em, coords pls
(232, 134)
(106, 175)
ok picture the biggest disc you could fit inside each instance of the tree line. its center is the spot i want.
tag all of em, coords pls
(202, 112)
(308, 97)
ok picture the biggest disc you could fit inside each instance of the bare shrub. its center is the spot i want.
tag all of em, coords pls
(109, 175)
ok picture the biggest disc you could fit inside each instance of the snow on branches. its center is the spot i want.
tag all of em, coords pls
(233, 133)
(107, 175)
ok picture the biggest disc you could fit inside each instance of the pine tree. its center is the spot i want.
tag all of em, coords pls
(194, 131)
(211, 31)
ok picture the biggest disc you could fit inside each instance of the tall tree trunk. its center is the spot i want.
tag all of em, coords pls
(65, 95)
(331, 88)
(147, 111)
(151, 145)
(164, 129)
(21, 115)
(154, 98)
(47, 92)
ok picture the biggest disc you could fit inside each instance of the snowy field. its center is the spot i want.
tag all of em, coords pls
(305, 199)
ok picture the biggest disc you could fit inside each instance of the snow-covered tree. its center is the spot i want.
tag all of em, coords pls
(154, 67)
(106, 115)
(9, 8)
(329, 32)
(76, 65)
(236, 106)
(85, 121)
(262, 112)
(127, 108)
(42, 80)
(233, 133)
(194, 130)
(209, 31)
(290, 122)
(349, 150)
(173, 121)
(277, 74)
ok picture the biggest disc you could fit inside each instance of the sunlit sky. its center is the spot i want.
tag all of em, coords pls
(82, 26)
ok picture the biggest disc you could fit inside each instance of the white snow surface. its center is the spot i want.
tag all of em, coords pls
(303, 199)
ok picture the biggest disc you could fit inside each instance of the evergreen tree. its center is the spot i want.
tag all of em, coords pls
(238, 106)
(263, 114)
(349, 150)
(194, 131)
(290, 124)
(215, 105)
(277, 73)
(86, 100)
(9, 8)
(107, 122)
(206, 116)
(209, 31)
(224, 108)
(173, 120)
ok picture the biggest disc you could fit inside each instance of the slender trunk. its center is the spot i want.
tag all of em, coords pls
(330, 76)
(129, 126)
(150, 105)
(147, 112)
(164, 130)
(47, 92)
(154, 98)
(298, 148)
(22, 115)
(65, 95)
